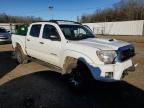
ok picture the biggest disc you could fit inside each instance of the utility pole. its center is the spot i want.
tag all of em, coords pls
(50, 11)
(78, 19)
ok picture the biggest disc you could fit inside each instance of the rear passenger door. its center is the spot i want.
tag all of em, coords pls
(51, 44)
(32, 41)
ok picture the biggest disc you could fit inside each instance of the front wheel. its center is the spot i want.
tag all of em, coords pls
(76, 79)
(80, 77)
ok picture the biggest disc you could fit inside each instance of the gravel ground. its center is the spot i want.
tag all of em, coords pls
(34, 86)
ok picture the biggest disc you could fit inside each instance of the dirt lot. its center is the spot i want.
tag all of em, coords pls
(35, 86)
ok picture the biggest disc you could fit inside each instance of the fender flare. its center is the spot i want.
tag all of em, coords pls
(70, 60)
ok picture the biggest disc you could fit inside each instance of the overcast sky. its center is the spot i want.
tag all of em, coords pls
(62, 9)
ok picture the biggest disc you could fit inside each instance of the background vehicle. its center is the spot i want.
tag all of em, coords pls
(4, 35)
(75, 51)
(21, 29)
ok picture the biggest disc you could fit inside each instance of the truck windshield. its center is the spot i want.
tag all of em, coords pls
(76, 32)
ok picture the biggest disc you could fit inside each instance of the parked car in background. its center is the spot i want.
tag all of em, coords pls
(4, 35)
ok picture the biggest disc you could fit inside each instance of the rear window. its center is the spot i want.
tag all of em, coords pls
(2, 30)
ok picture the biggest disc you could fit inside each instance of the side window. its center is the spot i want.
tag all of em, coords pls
(35, 30)
(50, 30)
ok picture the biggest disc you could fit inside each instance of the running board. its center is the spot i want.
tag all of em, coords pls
(52, 67)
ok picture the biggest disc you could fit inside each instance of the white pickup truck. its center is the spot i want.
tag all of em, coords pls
(74, 49)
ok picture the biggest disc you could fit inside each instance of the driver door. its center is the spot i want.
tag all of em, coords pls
(51, 46)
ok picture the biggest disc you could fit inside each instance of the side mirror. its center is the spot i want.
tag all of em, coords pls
(54, 38)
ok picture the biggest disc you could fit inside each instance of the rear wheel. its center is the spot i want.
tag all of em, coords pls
(20, 56)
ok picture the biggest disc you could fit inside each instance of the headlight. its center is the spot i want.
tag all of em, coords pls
(106, 56)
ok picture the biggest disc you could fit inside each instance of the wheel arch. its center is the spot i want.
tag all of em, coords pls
(18, 45)
(71, 60)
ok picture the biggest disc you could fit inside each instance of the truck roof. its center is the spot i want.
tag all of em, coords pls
(61, 22)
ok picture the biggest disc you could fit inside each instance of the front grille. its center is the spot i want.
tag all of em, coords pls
(126, 53)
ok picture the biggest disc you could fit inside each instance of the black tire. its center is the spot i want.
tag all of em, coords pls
(20, 56)
(80, 77)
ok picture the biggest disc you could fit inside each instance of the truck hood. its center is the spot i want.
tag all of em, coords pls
(103, 44)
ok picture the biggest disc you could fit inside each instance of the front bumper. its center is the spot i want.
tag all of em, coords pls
(99, 72)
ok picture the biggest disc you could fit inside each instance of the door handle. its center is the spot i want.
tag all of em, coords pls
(28, 39)
(41, 43)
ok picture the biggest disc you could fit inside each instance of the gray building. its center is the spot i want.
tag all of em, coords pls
(135, 28)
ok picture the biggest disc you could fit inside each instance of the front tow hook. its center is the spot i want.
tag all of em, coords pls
(130, 69)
